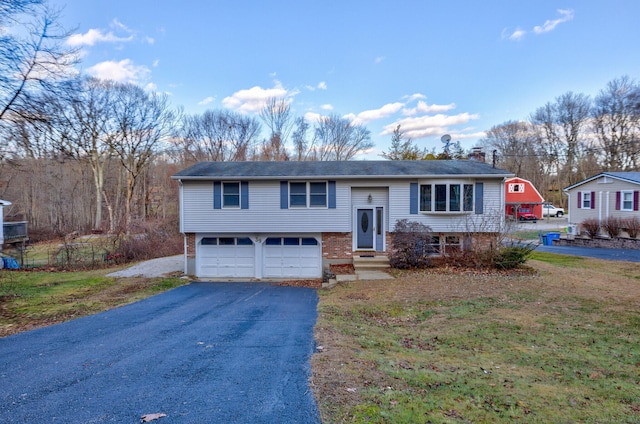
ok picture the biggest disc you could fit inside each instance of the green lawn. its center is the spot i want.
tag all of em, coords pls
(550, 347)
(34, 299)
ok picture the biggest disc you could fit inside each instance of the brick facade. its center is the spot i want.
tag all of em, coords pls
(191, 245)
(336, 246)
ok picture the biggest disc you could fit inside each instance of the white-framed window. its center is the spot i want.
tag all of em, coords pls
(308, 194)
(516, 187)
(231, 195)
(451, 197)
(626, 200)
(585, 202)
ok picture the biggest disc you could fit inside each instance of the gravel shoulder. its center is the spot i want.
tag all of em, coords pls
(152, 268)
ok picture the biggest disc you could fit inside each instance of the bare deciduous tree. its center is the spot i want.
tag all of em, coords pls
(277, 117)
(616, 123)
(337, 138)
(31, 63)
(217, 135)
(144, 121)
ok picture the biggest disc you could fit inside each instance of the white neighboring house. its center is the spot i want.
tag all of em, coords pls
(3, 203)
(608, 194)
(256, 220)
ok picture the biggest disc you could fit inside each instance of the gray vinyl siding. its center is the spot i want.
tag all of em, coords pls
(491, 220)
(264, 213)
(605, 200)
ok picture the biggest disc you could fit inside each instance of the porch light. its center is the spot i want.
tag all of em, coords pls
(370, 198)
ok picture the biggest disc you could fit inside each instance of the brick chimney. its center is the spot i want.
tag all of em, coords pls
(477, 154)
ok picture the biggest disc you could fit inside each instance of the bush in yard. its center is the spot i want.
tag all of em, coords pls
(410, 245)
(613, 226)
(591, 226)
(150, 239)
(510, 257)
(632, 225)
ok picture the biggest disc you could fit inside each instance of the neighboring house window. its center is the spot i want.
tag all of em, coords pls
(308, 195)
(230, 195)
(627, 200)
(446, 197)
(516, 188)
(586, 200)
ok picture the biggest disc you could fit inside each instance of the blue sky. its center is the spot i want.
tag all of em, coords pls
(434, 67)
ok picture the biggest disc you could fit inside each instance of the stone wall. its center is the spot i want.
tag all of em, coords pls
(612, 243)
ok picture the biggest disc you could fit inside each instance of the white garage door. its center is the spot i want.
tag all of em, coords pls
(226, 257)
(292, 257)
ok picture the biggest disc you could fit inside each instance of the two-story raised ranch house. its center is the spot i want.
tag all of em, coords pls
(291, 219)
(607, 194)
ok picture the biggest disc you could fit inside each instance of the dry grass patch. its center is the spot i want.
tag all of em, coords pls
(556, 342)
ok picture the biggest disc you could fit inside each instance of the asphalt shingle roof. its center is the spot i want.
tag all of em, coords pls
(340, 169)
(633, 177)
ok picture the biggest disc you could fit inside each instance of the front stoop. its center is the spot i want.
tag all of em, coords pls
(370, 263)
(366, 268)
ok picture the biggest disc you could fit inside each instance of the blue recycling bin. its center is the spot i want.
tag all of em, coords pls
(545, 240)
(551, 237)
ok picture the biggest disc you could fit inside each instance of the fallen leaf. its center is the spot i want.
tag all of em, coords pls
(150, 417)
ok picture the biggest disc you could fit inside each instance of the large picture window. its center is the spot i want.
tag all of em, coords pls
(446, 197)
(308, 194)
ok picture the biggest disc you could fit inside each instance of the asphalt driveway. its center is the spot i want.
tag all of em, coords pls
(201, 353)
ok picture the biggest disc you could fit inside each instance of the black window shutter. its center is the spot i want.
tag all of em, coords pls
(413, 198)
(217, 195)
(284, 195)
(244, 195)
(332, 195)
(479, 206)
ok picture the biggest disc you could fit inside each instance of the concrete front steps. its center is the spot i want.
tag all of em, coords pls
(367, 267)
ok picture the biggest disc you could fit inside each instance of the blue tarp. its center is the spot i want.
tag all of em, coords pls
(10, 263)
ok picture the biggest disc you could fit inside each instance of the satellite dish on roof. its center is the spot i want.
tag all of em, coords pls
(446, 139)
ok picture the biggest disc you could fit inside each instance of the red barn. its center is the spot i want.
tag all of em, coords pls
(522, 200)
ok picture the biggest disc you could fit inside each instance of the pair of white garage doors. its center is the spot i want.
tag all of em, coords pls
(257, 257)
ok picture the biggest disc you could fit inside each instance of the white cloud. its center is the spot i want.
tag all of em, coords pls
(429, 126)
(313, 117)
(373, 114)
(517, 35)
(156, 63)
(423, 107)
(320, 86)
(550, 25)
(413, 97)
(94, 36)
(255, 98)
(326, 107)
(379, 59)
(122, 71)
(206, 100)
(151, 87)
